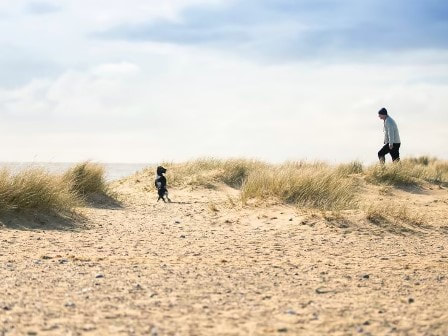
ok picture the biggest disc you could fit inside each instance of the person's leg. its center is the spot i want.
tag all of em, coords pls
(395, 152)
(382, 153)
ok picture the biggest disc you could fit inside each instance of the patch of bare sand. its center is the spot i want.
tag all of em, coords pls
(204, 265)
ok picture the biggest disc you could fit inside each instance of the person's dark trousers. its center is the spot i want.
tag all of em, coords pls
(394, 152)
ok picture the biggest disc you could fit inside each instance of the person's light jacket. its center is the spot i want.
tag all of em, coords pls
(391, 134)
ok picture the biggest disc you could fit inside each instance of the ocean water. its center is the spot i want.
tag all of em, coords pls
(114, 171)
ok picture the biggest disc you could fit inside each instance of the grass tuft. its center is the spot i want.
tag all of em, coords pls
(409, 172)
(86, 177)
(306, 186)
(384, 212)
(354, 167)
(36, 189)
(209, 171)
(396, 174)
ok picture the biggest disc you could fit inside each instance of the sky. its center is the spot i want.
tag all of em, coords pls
(149, 81)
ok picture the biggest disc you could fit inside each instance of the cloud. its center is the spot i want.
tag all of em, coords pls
(219, 106)
(116, 69)
(302, 29)
(42, 8)
(173, 80)
(18, 66)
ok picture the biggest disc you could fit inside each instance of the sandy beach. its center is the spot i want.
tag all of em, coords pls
(205, 265)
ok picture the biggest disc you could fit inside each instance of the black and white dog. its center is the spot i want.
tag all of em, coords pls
(160, 184)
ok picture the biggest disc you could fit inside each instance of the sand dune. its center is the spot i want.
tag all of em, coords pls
(205, 265)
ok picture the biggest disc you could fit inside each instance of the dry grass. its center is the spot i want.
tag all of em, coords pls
(347, 169)
(86, 177)
(392, 212)
(208, 172)
(312, 186)
(316, 185)
(436, 172)
(36, 189)
(408, 172)
(396, 174)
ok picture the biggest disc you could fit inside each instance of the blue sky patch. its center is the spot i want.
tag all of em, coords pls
(303, 28)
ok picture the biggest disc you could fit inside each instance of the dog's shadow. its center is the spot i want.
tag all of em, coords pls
(178, 202)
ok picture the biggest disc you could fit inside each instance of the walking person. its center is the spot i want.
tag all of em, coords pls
(391, 138)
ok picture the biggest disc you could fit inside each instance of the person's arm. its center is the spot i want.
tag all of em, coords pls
(390, 133)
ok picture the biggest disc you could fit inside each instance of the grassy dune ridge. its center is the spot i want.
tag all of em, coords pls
(315, 185)
(37, 189)
(306, 184)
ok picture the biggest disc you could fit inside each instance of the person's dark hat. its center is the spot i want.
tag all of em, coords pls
(383, 111)
(161, 170)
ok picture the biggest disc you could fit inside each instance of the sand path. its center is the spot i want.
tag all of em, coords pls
(202, 267)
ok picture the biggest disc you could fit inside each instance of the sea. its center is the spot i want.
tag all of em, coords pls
(114, 171)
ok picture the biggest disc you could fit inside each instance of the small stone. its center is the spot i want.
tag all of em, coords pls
(366, 276)
(290, 219)
(88, 327)
(322, 290)
(176, 222)
(291, 312)
(63, 261)
(7, 308)
(154, 331)
(69, 305)
(98, 276)
(182, 236)
(46, 257)
(411, 300)
(366, 323)
(282, 330)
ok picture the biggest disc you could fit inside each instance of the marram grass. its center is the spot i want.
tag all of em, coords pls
(37, 189)
(86, 177)
(306, 184)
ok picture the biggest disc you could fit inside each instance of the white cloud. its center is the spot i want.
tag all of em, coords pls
(116, 69)
(118, 101)
(182, 105)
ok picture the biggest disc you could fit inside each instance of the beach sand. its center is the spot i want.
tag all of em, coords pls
(205, 265)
